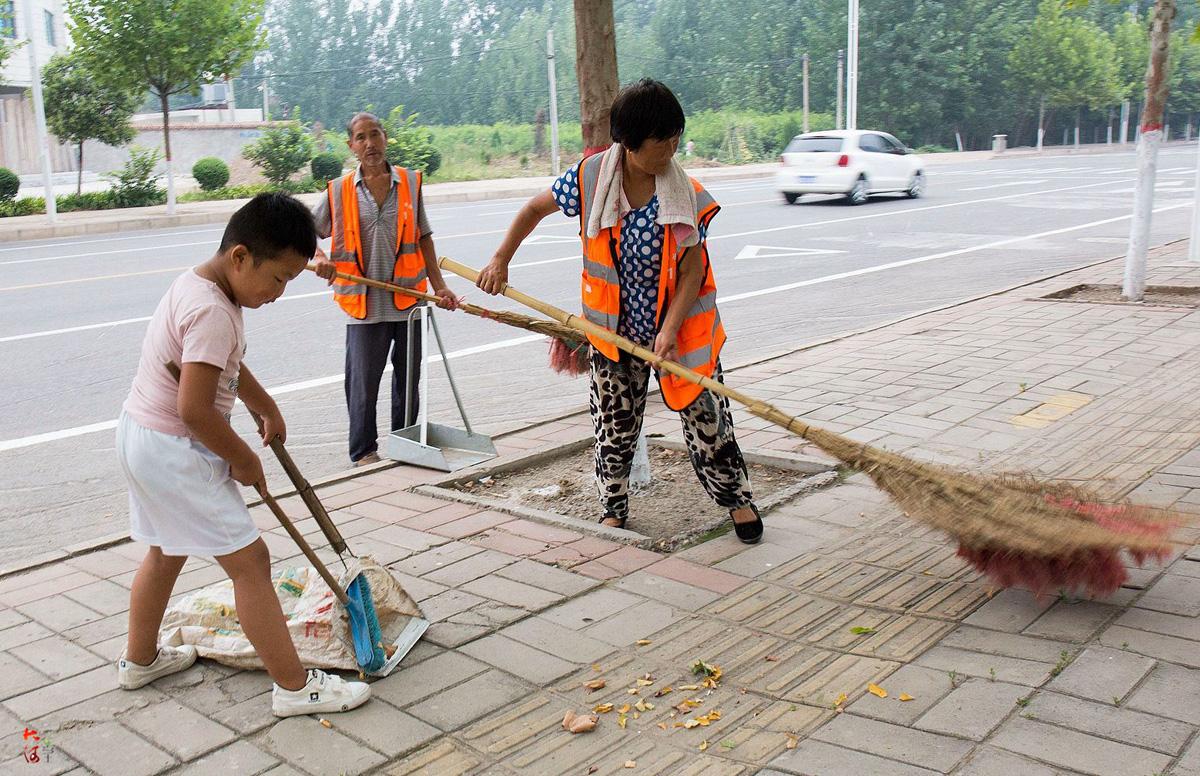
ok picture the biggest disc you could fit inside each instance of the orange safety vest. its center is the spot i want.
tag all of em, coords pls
(346, 249)
(700, 336)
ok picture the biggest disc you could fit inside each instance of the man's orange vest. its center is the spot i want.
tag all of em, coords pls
(346, 250)
(700, 336)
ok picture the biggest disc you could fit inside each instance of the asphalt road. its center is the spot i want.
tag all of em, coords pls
(73, 312)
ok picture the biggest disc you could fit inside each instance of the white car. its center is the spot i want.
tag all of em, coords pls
(853, 162)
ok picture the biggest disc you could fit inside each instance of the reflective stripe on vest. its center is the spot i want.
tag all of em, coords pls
(701, 335)
(346, 249)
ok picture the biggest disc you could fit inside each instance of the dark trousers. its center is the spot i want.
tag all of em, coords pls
(367, 348)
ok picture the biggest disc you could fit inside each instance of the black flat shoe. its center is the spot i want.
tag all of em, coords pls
(749, 533)
(620, 521)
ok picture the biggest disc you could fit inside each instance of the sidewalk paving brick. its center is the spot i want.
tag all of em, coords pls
(1170, 691)
(973, 710)
(1111, 722)
(915, 747)
(1077, 751)
(305, 743)
(816, 758)
(988, 761)
(519, 659)
(179, 730)
(1102, 674)
(460, 705)
(240, 757)
(109, 749)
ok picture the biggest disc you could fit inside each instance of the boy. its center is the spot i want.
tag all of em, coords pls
(183, 459)
(646, 275)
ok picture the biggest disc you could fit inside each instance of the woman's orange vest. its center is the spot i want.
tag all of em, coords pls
(346, 250)
(700, 336)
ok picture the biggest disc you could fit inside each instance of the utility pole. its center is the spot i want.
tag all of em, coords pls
(266, 98)
(852, 66)
(805, 91)
(841, 78)
(230, 103)
(553, 101)
(1194, 243)
(1134, 286)
(1124, 122)
(39, 111)
(596, 70)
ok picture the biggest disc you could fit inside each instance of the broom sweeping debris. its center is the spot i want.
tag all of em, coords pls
(1015, 530)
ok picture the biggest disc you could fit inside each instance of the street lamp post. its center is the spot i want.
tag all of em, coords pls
(852, 65)
(39, 111)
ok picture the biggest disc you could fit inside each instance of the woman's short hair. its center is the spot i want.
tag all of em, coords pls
(643, 111)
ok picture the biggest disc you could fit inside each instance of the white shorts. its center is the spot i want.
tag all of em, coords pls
(181, 497)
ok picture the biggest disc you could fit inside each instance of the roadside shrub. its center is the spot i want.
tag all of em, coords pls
(10, 184)
(281, 151)
(409, 145)
(326, 167)
(933, 149)
(211, 173)
(25, 206)
(88, 200)
(136, 184)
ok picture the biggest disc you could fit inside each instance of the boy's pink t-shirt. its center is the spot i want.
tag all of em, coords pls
(194, 323)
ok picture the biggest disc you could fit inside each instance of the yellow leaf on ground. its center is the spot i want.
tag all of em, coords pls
(624, 709)
(876, 690)
(703, 746)
(632, 691)
(596, 667)
(689, 687)
(637, 714)
(623, 721)
(631, 763)
(579, 723)
(644, 682)
(906, 697)
(792, 742)
(840, 699)
(662, 725)
(603, 708)
(643, 642)
(662, 691)
(326, 723)
(595, 684)
(691, 723)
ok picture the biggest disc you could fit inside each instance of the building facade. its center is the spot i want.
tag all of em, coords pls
(47, 31)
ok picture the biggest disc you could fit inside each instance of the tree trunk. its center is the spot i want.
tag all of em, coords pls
(1134, 285)
(162, 101)
(1041, 125)
(596, 69)
(79, 180)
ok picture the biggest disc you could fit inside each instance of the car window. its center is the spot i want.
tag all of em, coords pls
(892, 144)
(873, 143)
(809, 145)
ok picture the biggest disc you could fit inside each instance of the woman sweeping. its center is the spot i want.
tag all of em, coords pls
(646, 276)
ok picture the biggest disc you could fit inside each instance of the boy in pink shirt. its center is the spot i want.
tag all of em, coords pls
(183, 459)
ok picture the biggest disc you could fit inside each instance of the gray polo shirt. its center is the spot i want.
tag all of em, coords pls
(378, 228)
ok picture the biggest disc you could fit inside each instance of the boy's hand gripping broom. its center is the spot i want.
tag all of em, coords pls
(369, 651)
(1015, 530)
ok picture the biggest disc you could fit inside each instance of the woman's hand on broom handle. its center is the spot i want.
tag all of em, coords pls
(494, 276)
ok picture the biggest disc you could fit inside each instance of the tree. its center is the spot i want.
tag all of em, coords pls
(7, 47)
(1064, 61)
(282, 151)
(80, 107)
(596, 69)
(166, 46)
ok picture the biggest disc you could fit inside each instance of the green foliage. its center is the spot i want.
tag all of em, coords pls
(136, 184)
(245, 191)
(738, 137)
(281, 151)
(410, 145)
(25, 206)
(1065, 60)
(10, 184)
(210, 172)
(89, 200)
(326, 167)
(80, 106)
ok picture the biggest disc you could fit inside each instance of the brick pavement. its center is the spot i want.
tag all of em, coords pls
(846, 592)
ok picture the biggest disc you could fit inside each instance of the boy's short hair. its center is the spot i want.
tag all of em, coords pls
(362, 116)
(270, 224)
(645, 110)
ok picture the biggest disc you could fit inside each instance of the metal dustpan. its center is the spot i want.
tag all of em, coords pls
(432, 445)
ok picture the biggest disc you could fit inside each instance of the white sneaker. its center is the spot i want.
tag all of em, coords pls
(322, 694)
(170, 660)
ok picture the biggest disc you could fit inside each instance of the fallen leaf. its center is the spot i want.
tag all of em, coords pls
(578, 723)
(662, 725)
(596, 667)
(662, 691)
(623, 721)
(862, 630)
(689, 687)
(631, 763)
(641, 705)
(840, 699)
(624, 709)
(643, 642)
(595, 684)
(691, 723)
(876, 690)
(326, 723)
(637, 714)
(906, 697)
(792, 742)
(593, 769)
(632, 691)
(772, 658)
(704, 745)
(715, 714)
(603, 708)
(645, 682)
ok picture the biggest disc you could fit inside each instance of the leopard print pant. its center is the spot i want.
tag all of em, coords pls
(618, 405)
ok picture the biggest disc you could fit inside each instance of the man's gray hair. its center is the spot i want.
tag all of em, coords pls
(362, 116)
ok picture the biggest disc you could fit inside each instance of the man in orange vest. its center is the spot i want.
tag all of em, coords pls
(376, 218)
(646, 276)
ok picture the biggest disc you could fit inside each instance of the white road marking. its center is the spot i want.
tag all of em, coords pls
(1002, 185)
(131, 236)
(775, 252)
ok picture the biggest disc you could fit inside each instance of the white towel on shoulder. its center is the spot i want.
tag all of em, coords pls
(676, 199)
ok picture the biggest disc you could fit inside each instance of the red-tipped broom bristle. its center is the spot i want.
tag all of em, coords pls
(567, 360)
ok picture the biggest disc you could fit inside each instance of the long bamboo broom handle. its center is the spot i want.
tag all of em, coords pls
(302, 543)
(471, 309)
(759, 408)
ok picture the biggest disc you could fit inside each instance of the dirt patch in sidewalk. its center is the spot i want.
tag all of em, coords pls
(672, 510)
(1171, 296)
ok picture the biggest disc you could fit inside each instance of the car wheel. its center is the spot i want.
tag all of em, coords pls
(791, 197)
(858, 193)
(916, 186)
